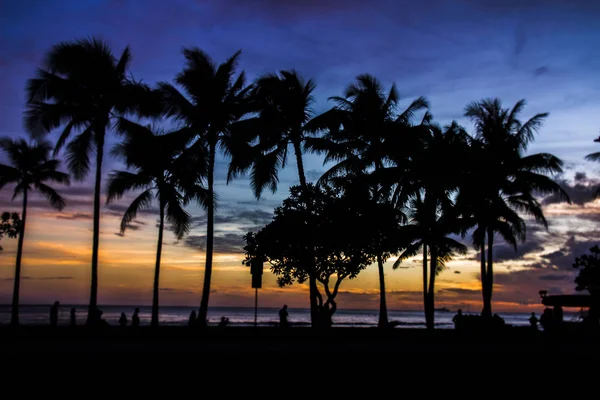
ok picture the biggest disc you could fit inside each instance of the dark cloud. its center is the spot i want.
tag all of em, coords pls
(120, 209)
(240, 217)
(505, 252)
(543, 70)
(556, 277)
(563, 258)
(82, 191)
(225, 243)
(580, 191)
(76, 216)
(173, 290)
(42, 278)
(460, 291)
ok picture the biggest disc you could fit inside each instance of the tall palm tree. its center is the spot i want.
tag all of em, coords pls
(502, 181)
(32, 167)
(162, 172)
(83, 87)
(427, 186)
(429, 229)
(360, 129)
(212, 100)
(282, 104)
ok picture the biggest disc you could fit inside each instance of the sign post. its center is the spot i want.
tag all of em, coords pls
(256, 270)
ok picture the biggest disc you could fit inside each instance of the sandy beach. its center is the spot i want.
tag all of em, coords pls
(294, 340)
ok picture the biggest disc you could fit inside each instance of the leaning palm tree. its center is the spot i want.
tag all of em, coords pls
(212, 101)
(161, 171)
(503, 182)
(81, 87)
(282, 103)
(361, 131)
(32, 167)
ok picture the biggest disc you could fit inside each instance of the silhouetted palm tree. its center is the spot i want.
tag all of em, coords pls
(430, 224)
(282, 103)
(32, 167)
(427, 186)
(359, 131)
(213, 100)
(162, 172)
(82, 86)
(502, 181)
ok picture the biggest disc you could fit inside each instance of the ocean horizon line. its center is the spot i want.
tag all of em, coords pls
(375, 310)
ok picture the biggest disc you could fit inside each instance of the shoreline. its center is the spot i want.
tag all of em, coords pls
(34, 339)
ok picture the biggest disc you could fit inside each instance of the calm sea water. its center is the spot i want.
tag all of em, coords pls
(242, 316)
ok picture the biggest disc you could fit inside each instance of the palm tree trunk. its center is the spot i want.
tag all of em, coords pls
(154, 320)
(383, 316)
(312, 278)
(489, 274)
(484, 311)
(425, 275)
(17, 283)
(210, 231)
(301, 175)
(91, 317)
(430, 310)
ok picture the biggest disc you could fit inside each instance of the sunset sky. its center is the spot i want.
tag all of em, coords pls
(450, 51)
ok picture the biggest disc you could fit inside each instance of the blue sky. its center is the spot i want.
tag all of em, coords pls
(452, 52)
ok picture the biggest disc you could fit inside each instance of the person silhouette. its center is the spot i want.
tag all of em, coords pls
(192, 320)
(135, 318)
(533, 321)
(283, 314)
(73, 320)
(457, 319)
(54, 314)
(123, 320)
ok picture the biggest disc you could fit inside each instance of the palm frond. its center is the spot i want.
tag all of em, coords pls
(527, 131)
(55, 200)
(78, 154)
(121, 182)
(177, 217)
(176, 105)
(8, 174)
(593, 156)
(142, 202)
(410, 251)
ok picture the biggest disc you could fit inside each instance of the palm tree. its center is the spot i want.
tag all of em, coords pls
(32, 167)
(213, 100)
(282, 103)
(83, 87)
(361, 128)
(502, 181)
(161, 171)
(426, 187)
(430, 224)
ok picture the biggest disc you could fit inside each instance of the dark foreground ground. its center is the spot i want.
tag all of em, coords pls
(293, 340)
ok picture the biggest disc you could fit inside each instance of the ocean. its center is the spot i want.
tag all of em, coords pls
(244, 316)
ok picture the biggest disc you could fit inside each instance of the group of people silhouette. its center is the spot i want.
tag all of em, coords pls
(95, 320)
